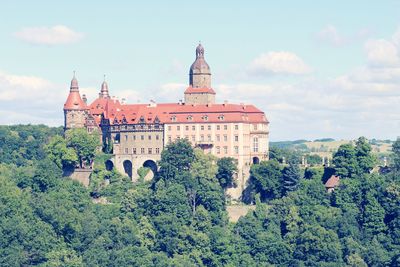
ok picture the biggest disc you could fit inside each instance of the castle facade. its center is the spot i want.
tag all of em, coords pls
(137, 133)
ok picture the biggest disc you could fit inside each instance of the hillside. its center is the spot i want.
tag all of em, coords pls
(180, 218)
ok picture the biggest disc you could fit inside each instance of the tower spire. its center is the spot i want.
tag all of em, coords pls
(104, 89)
(74, 84)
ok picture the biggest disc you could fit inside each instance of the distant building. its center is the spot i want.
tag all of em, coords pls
(332, 183)
(137, 133)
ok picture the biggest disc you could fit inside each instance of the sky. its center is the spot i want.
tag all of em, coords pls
(316, 68)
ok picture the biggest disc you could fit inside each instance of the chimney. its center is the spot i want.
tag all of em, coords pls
(84, 98)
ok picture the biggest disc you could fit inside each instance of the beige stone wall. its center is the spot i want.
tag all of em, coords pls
(141, 143)
(199, 99)
(74, 119)
(82, 176)
(201, 80)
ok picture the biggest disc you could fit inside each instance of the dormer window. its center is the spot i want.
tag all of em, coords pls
(205, 117)
(142, 120)
(190, 118)
(221, 117)
(173, 118)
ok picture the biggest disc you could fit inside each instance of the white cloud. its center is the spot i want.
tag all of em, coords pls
(330, 35)
(278, 63)
(55, 35)
(382, 53)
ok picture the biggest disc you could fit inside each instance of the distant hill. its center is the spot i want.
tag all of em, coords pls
(325, 147)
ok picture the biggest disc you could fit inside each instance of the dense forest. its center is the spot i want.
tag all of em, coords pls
(180, 218)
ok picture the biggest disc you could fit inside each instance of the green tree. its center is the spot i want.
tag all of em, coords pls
(316, 244)
(291, 178)
(84, 144)
(345, 161)
(373, 215)
(267, 179)
(62, 155)
(396, 155)
(227, 168)
(176, 159)
(365, 159)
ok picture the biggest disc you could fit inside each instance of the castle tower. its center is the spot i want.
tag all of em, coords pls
(199, 90)
(75, 109)
(104, 90)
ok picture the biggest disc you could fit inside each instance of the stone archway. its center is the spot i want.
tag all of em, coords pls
(256, 160)
(150, 164)
(128, 168)
(109, 165)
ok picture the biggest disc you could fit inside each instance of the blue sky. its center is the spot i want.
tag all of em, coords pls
(318, 69)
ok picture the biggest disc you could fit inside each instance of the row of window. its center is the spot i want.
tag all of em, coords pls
(205, 118)
(202, 138)
(202, 127)
(143, 151)
(142, 137)
(225, 149)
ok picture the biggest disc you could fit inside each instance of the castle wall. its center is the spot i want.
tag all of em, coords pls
(74, 119)
(199, 98)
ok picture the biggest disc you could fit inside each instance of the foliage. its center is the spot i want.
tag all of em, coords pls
(291, 178)
(226, 172)
(267, 179)
(179, 218)
(84, 144)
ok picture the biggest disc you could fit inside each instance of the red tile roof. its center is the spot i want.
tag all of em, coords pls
(74, 101)
(175, 112)
(332, 182)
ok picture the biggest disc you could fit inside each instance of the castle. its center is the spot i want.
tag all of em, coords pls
(137, 133)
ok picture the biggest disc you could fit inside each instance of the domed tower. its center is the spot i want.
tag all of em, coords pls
(75, 109)
(199, 90)
(104, 89)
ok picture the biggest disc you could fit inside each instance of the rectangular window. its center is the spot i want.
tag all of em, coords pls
(134, 151)
(187, 137)
(126, 137)
(178, 128)
(255, 144)
(209, 127)
(225, 150)
(236, 127)
(218, 138)
(236, 150)
(149, 137)
(209, 137)
(157, 137)
(142, 150)
(126, 150)
(225, 127)
(142, 137)
(202, 137)
(218, 150)
(255, 127)
(193, 138)
(218, 127)
(134, 137)
(225, 138)
(169, 128)
(193, 128)
(187, 128)
(157, 150)
(202, 127)
(169, 139)
(150, 150)
(236, 138)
